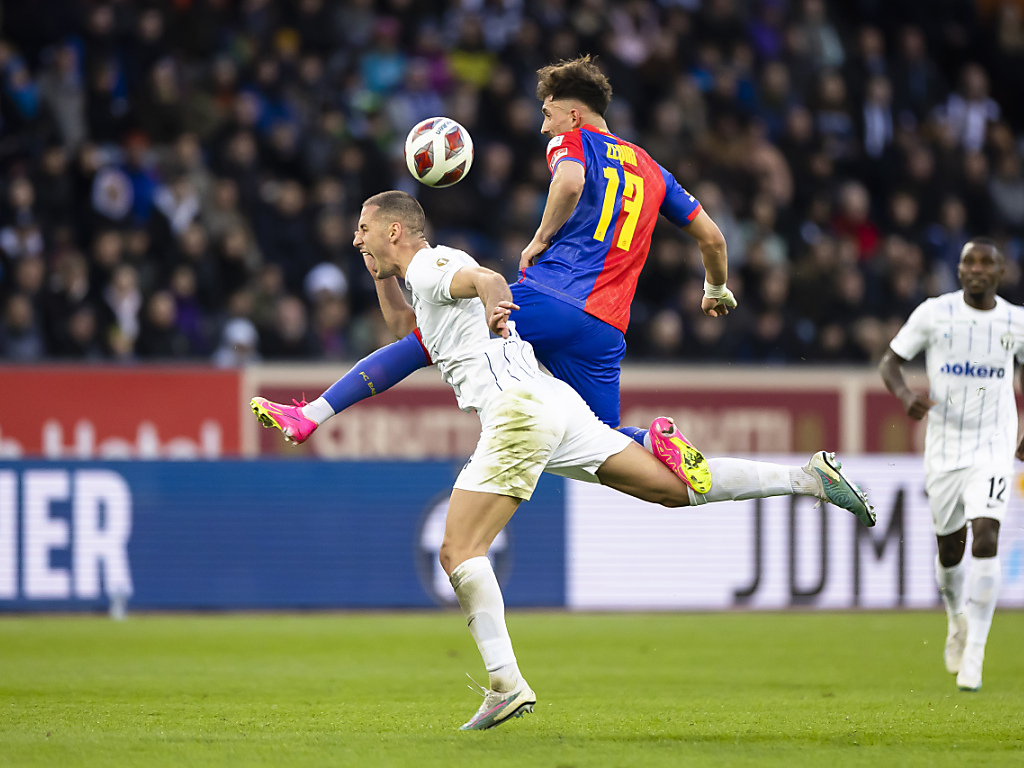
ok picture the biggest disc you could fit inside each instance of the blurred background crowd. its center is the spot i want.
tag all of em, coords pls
(181, 179)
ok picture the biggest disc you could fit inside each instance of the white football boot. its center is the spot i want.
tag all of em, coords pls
(500, 706)
(969, 676)
(835, 487)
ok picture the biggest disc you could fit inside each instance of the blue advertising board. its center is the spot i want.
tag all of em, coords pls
(253, 534)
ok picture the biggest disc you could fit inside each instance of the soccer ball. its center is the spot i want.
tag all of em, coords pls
(438, 152)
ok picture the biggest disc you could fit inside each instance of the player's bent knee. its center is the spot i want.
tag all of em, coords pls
(985, 545)
(672, 496)
(449, 557)
(985, 541)
(951, 548)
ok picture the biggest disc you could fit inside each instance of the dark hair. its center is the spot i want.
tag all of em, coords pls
(983, 241)
(401, 207)
(578, 79)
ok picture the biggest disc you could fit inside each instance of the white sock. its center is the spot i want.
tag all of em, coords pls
(982, 592)
(951, 585)
(739, 479)
(647, 442)
(319, 411)
(479, 595)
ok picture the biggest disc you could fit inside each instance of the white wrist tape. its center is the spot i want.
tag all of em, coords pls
(720, 292)
(714, 291)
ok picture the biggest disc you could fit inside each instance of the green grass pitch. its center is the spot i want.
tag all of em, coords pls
(792, 689)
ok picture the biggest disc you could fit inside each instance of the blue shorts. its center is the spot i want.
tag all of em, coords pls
(584, 352)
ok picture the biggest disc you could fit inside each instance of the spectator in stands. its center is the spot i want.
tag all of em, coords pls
(21, 336)
(62, 91)
(282, 116)
(290, 337)
(159, 336)
(1007, 191)
(969, 111)
(239, 344)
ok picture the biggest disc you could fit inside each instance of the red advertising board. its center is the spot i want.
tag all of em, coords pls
(734, 421)
(407, 422)
(420, 419)
(195, 412)
(118, 413)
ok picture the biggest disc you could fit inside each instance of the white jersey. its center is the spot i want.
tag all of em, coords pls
(476, 365)
(969, 356)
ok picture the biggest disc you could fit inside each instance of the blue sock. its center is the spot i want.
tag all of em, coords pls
(637, 433)
(377, 372)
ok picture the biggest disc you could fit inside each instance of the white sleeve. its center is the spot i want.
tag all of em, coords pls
(912, 338)
(431, 278)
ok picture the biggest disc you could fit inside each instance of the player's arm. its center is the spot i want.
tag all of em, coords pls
(563, 194)
(683, 210)
(398, 314)
(493, 291)
(718, 299)
(891, 368)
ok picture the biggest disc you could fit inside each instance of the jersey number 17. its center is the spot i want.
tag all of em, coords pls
(632, 202)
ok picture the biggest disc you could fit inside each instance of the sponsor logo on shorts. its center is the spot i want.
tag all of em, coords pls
(973, 370)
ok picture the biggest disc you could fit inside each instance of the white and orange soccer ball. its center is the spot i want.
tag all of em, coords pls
(438, 152)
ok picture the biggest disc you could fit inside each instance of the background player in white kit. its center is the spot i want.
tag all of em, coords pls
(530, 422)
(970, 339)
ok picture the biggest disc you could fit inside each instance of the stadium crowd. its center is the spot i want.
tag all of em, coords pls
(181, 179)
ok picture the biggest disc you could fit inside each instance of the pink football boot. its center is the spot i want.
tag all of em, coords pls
(288, 418)
(676, 452)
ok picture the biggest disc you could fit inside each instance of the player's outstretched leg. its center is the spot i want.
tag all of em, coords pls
(727, 479)
(375, 373)
(295, 426)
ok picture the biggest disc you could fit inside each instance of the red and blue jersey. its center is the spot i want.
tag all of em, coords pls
(595, 259)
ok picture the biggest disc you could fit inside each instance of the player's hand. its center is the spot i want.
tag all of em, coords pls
(717, 301)
(531, 252)
(917, 406)
(497, 322)
(714, 307)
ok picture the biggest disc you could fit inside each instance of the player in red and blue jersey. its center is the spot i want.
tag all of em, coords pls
(579, 272)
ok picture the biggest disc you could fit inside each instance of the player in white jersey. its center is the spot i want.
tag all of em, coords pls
(971, 339)
(530, 422)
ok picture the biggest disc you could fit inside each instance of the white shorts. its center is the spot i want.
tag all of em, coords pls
(542, 425)
(967, 494)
